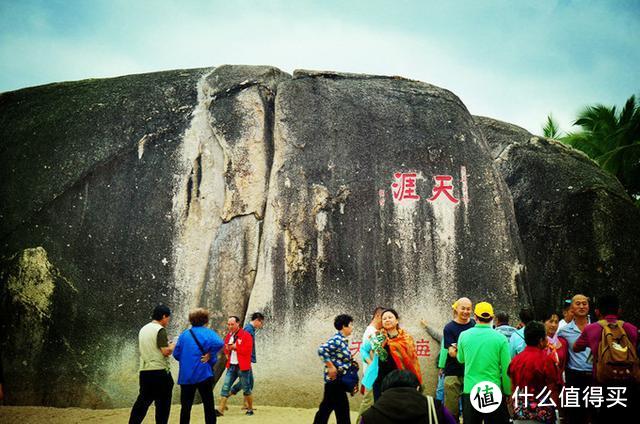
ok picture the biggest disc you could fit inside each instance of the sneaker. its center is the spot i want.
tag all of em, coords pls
(219, 414)
(249, 412)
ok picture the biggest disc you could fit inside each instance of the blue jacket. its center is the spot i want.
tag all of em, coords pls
(516, 342)
(370, 375)
(192, 371)
(249, 328)
(506, 330)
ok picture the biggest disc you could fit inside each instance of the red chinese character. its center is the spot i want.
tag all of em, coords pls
(422, 348)
(354, 348)
(404, 187)
(443, 188)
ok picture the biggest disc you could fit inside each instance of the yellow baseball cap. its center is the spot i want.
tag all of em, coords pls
(484, 310)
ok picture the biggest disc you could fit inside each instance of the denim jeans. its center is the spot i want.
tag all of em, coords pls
(233, 373)
(440, 388)
(238, 386)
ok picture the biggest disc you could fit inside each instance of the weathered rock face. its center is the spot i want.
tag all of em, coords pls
(220, 200)
(242, 188)
(336, 237)
(580, 230)
(137, 188)
(87, 173)
(35, 296)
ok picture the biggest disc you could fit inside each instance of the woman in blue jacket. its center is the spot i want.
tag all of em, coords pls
(196, 351)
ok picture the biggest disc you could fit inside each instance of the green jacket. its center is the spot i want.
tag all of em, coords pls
(485, 355)
(442, 357)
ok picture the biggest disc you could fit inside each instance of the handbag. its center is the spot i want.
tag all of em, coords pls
(350, 378)
(534, 412)
(433, 413)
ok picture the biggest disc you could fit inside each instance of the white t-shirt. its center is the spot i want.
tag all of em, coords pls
(561, 324)
(234, 355)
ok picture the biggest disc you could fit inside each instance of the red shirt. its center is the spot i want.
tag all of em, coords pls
(534, 369)
(244, 347)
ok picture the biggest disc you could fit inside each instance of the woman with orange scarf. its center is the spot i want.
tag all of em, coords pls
(395, 349)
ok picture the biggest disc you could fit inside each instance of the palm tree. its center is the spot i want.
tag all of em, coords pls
(612, 140)
(551, 129)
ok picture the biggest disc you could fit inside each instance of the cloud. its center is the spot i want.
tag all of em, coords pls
(515, 62)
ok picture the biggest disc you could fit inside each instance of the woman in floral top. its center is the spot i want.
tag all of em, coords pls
(337, 358)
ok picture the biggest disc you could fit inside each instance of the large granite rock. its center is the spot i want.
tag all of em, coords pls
(242, 188)
(579, 228)
(336, 240)
(136, 188)
(87, 174)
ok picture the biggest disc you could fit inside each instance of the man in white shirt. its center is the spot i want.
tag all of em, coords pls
(567, 314)
(156, 383)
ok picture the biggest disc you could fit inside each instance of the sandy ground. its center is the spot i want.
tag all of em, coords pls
(263, 415)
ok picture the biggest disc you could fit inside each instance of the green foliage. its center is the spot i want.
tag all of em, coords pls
(611, 139)
(551, 128)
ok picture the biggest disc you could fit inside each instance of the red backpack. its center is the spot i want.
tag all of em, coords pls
(617, 360)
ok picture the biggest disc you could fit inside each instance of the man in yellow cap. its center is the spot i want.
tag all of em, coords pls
(485, 355)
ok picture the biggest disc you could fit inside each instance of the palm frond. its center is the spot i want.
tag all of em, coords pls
(628, 111)
(610, 139)
(551, 129)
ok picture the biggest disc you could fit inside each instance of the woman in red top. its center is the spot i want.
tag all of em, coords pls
(557, 347)
(534, 379)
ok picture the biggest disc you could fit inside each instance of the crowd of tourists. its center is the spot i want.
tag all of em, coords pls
(196, 351)
(552, 370)
(559, 368)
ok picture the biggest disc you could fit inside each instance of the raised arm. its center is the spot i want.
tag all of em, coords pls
(435, 335)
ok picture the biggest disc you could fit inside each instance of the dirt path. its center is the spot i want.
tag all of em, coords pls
(263, 415)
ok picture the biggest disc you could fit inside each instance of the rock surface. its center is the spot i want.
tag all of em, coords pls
(578, 226)
(336, 239)
(243, 188)
(87, 172)
(34, 297)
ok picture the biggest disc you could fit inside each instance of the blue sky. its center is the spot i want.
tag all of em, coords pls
(512, 60)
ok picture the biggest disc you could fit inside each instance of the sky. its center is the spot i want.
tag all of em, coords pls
(516, 61)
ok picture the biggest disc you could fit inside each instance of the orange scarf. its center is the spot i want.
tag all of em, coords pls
(403, 351)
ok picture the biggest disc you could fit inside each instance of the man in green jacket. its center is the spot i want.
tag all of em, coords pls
(485, 355)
